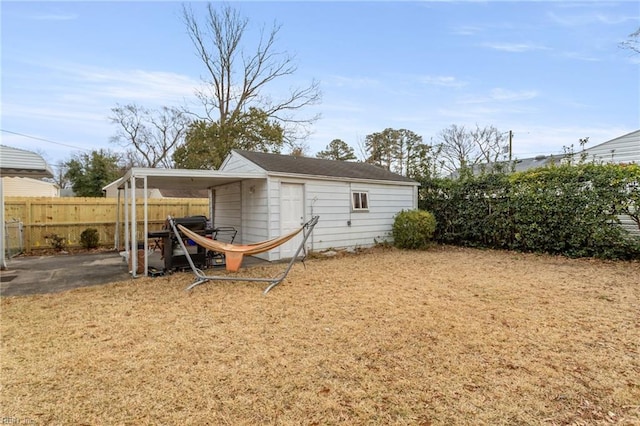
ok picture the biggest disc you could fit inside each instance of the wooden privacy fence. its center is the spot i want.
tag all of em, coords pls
(69, 217)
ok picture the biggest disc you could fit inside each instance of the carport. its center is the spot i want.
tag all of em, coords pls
(175, 179)
(18, 163)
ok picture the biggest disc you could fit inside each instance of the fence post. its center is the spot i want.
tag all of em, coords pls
(28, 226)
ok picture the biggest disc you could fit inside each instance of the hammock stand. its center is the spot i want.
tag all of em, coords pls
(235, 253)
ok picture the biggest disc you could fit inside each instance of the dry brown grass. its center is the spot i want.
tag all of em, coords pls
(447, 336)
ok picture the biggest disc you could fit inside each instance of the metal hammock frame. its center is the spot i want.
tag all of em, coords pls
(201, 277)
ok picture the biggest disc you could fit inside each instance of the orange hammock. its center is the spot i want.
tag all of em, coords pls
(234, 253)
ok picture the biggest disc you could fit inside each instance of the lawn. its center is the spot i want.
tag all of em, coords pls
(441, 337)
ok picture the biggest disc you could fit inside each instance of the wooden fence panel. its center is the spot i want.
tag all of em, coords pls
(69, 217)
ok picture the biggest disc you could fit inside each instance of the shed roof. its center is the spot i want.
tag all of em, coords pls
(319, 167)
(21, 163)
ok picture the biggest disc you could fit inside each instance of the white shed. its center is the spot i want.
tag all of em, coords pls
(356, 202)
(267, 195)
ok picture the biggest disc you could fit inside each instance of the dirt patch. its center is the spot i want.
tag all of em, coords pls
(447, 336)
(48, 251)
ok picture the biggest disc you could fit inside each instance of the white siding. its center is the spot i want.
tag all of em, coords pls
(331, 200)
(255, 212)
(228, 208)
(627, 223)
(624, 149)
(235, 163)
(27, 187)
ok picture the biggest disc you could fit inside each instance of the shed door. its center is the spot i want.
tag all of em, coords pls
(292, 216)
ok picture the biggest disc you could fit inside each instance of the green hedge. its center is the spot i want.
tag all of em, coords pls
(565, 209)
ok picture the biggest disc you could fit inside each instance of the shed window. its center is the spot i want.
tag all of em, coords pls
(360, 201)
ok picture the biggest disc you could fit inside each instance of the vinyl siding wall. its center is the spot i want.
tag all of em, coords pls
(27, 187)
(625, 149)
(331, 200)
(333, 204)
(237, 164)
(255, 213)
(228, 208)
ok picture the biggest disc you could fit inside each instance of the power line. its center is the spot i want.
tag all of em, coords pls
(43, 140)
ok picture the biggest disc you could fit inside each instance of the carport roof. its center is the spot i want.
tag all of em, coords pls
(182, 179)
(16, 162)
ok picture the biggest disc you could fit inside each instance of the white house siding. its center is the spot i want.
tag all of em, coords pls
(624, 149)
(627, 223)
(27, 187)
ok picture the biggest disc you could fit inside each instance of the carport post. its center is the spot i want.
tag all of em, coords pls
(125, 207)
(3, 266)
(134, 241)
(116, 236)
(146, 228)
(212, 207)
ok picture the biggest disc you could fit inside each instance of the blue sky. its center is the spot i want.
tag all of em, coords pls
(552, 72)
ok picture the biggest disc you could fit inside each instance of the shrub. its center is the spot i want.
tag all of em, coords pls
(57, 242)
(89, 238)
(413, 229)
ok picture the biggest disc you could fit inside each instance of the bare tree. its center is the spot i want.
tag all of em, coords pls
(490, 143)
(237, 79)
(60, 175)
(460, 148)
(456, 147)
(150, 136)
(632, 42)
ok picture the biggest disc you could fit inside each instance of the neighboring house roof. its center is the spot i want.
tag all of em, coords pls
(518, 165)
(623, 149)
(21, 163)
(319, 167)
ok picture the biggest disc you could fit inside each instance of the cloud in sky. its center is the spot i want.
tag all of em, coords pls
(514, 47)
(54, 17)
(499, 94)
(589, 18)
(135, 84)
(352, 82)
(442, 80)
